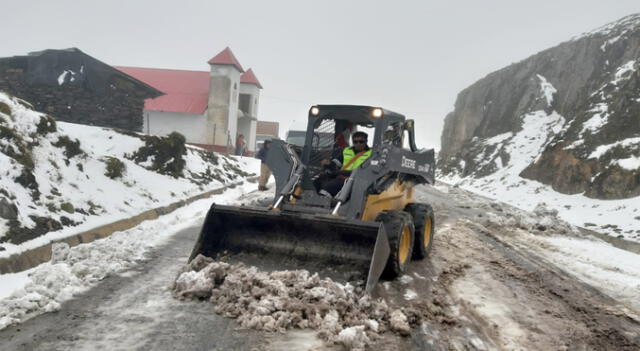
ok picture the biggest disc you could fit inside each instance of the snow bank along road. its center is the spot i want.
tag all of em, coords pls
(498, 279)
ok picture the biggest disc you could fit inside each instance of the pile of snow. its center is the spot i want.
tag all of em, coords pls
(74, 270)
(541, 219)
(58, 179)
(281, 300)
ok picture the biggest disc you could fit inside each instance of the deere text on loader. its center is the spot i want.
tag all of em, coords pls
(373, 225)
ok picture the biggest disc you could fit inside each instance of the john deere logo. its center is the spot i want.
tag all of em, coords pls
(408, 163)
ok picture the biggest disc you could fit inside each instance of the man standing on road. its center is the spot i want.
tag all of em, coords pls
(265, 172)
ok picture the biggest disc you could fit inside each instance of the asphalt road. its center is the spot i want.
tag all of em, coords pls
(480, 290)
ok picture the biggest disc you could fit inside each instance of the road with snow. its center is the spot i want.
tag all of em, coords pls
(498, 278)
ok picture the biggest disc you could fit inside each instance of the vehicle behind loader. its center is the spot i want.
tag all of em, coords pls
(372, 226)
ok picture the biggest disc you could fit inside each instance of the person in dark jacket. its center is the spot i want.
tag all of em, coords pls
(265, 172)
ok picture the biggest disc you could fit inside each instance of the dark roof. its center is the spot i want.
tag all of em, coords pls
(74, 67)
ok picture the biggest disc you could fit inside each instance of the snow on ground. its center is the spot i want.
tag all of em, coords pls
(598, 120)
(74, 192)
(74, 270)
(524, 147)
(614, 271)
(626, 143)
(12, 281)
(613, 217)
(618, 28)
(623, 72)
(631, 163)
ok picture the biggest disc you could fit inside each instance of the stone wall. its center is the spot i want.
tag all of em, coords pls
(120, 105)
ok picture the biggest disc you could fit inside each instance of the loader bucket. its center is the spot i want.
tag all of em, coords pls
(314, 241)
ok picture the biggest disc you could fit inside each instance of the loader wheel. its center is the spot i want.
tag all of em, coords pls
(399, 228)
(423, 220)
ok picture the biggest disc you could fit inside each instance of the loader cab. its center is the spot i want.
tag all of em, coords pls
(330, 127)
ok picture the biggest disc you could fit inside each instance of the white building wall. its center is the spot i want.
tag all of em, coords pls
(233, 108)
(223, 104)
(250, 125)
(192, 126)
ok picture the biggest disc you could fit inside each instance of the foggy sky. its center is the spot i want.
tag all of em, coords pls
(412, 57)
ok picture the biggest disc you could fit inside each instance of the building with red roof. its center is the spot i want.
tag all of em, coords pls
(210, 108)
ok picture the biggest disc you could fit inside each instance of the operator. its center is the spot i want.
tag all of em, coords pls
(340, 168)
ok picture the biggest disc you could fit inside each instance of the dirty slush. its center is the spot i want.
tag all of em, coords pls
(281, 300)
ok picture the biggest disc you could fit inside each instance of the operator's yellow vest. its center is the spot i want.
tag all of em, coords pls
(348, 154)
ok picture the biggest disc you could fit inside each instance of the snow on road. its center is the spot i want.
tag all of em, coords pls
(74, 270)
(498, 278)
(522, 287)
(614, 271)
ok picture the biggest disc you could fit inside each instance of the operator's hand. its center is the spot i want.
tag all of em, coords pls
(324, 162)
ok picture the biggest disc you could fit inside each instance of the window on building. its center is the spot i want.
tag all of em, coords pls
(245, 104)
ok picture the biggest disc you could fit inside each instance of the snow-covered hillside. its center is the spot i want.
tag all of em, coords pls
(57, 179)
(72, 271)
(560, 127)
(501, 159)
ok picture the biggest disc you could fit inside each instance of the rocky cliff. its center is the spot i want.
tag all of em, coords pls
(568, 117)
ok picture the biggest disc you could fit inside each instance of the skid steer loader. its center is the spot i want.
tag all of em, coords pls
(373, 225)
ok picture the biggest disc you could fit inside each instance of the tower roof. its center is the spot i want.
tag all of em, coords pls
(226, 57)
(249, 77)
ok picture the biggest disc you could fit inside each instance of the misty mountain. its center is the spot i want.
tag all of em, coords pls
(567, 117)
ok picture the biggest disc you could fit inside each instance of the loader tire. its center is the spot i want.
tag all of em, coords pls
(424, 223)
(400, 232)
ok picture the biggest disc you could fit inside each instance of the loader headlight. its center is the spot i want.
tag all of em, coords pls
(315, 110)
(376, 113)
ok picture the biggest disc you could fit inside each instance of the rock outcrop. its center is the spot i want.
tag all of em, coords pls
(568, 117)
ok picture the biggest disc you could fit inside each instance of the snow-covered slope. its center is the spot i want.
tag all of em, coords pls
(57, 179)
(74, 270)
(560, 127)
